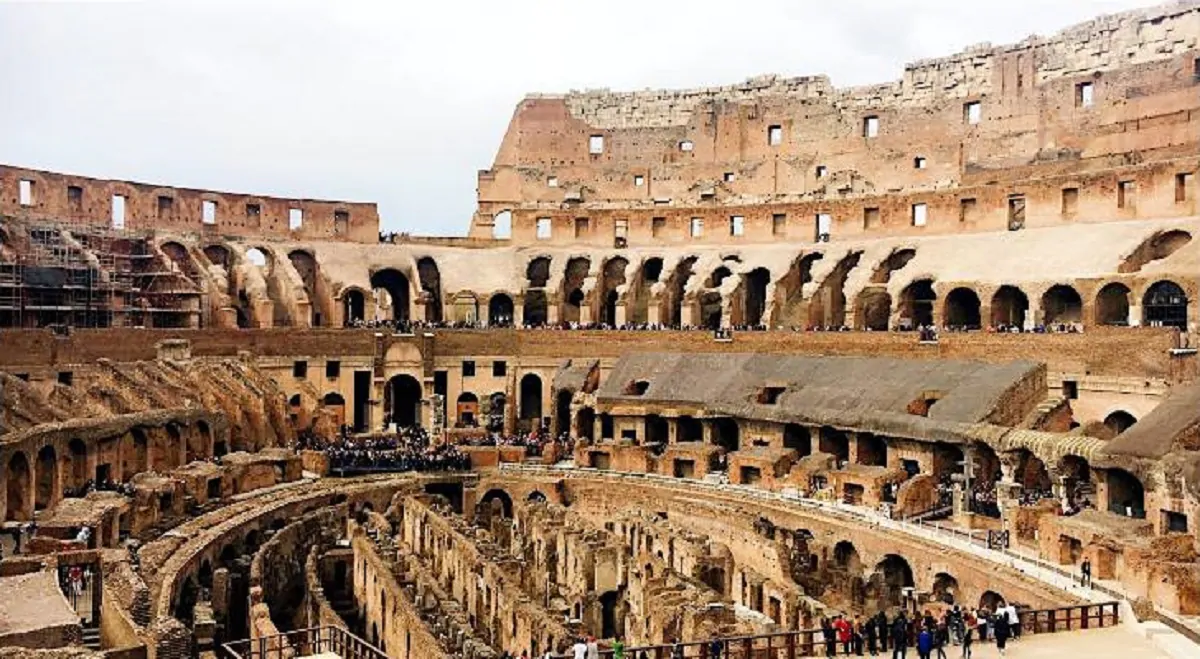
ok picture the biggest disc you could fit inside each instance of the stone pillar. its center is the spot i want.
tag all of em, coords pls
(653, 312)
(1135, 314)
(687, 314)
(1034, 315)
(708, 432)
(852, 445)
(619, 317)
(672, 431)
(585, 312)
(518, 311)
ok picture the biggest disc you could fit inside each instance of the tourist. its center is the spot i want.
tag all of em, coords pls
(1000, 630)
(618, 649)
(966, 640)
(924, 643)
(884, 629)
(981, 618)
(871, 633)
(900, 637)
(715, 649)
(579, 650)
(1085, 573)
(1014, 620)
(676, 650)
(828, 635)
(941, 637)
(856, 637)
(593, 648)
(843, 632)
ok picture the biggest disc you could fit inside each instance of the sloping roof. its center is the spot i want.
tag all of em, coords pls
(847, 391)
(1154, 434)
(573, 373)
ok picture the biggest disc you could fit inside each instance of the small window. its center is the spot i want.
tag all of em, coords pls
(729, 177)
(333, 369)
(639, 180)
(737, 225)
(1126, 194)
(621, 229)
(66, 378)
(118, 212)
(919, 162)
(75, 197)
(253, 211)
(696, 228)
(1070, 389)
(966, 209)
(637, 388)
(822, 171)
(1184, 182)
(973, 112)
(770, 395)
(871, 126)
(543, 228)
(686, 145)
(1174, 522)
(208, 212)
(499, 369)
(779, 224)
(1084, 94)
(658, 226)
(300, 369)
(1016, 212)
(870, 218)
(824, 225)
(581, 227)
(920, 214)
(166, 207)
(295, 218)
(552, 182)
(468, 369)
(1070, 202)
(775, 135)
(341, 222)
(1196, 70)
(25, 192)
(596, 145)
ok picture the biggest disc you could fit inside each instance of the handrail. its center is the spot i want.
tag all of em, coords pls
(304, 642)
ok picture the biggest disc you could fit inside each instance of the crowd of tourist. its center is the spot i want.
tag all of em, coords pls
(409, 449)
(929, 634)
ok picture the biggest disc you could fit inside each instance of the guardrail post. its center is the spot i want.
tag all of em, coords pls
(790, 644)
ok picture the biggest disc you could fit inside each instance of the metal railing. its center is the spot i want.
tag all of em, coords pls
(304, 643)
(811, 642)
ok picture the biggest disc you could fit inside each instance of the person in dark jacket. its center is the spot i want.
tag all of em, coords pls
(924, 644)
(884, 629)
(871, 634)
(900, 637)
(1000, 630)
(829, 636)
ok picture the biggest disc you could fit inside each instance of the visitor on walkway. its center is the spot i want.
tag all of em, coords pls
(871, 634)
(924, 644)
(966, 642)
(882, 627)
(579, 650)
(618, 649)
(900, 637)
(1000, 629)
(716, 649)
(1085, 573)
(593, 648)
(829, 635)
(843, 632)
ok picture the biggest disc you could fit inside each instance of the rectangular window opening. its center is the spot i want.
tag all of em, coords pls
(871, 126)
(639, 180)
(253, 211)
(75, 197)
(118, 212)
(822, 171)
(552, 182)
(870, 218)
(25, 192)
(499, 369)
(966, 209)
(596, 145)
(774, 135)
(1126, 194)
(920, 214)
(973, 112)
(779, 224)
(581, 227)
(1184, 183)
(333, 369)
(919, 162)
(300, 369)
(1084, 94)
(696, 228)
(686, 145)
(208, 212)
(657, 226)
(166, 206)
(729, 177)
(341, 222)
(621, 229)
(66, 378)
(737, 225)
(295, 218)
(1070, 202)
(543, 228)
(1016, 212)
(1070, 389)
(824, 225)
(468, 369)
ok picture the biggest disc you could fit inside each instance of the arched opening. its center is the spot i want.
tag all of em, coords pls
(354, 307)
(17, 481)
(834, 442)
(891, 577)
(872, 450)
(797, 437)
(535, 309)
(689, 429)
(672, 309)
(79, 472)
(828, 307)
(845, 557)
(1031, 473)
(656, 430)
(962, 309)
(562, 411)
(141, 455)
(872, 310)
(710, 310)
(755, 304)
(896, 260)
(1156, 247)
(608, 615)
(431, 285)
(718, 277)
(536, 496)
(335, 404)
(614, 277)
(467, 410)
(1062, 304)
(497, 502)
(991, 601)
(397, 287)
(1126, 496)
(538, 272)
(403, 401)
(218, 255)
(572, 290)
(175, 449)
(1009, 307)
(48, 487)
(258, 257)
(500, 311)
(585, 423)
(306, 266)
(1119, 421)
(531, 399)
(916, 304)
(1112, 305)
(1165, 304)
(726, 434)
(945, 588)
(502, 225)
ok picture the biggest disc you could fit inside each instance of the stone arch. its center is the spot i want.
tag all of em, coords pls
(726, 434)
(990, 600)
(260, 257)
(500, 310)
(961, 309)
(354, 306)
(431, 284)
(140, 445)
(306, 266)
(672, 306)
(198, 442)
(846, 558)
(790, 290)
(467, 410)
(497, 500)
(537, 272)
(710, 309)
(916, 303)
(572, 289)
(402, 400)
(828, 305)
(614, 277)
(689, 429)
(1112, 304)
(945, 588)
(335, 403)
(536, 496)
(502, 225)
(872, 450)
(1165, 304)
(562, 411)
(609, 618)
(797, 437)
(891, 577)
(77, 454)
(1031, 471)
(218, 255)
(48, 487)
(396, 284)
(754, 305)
(895, 261)
(1062, 304)
(585, 423)
(175, 450)
(1126, 494)
(178, 255)
(872, 310)
(1119, 421)
(1158, 246)
(834, 442)
(497, 403)
(1010, 307)
(531, 397)
(18, 479)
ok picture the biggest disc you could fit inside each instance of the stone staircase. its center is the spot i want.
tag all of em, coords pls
(91, 638)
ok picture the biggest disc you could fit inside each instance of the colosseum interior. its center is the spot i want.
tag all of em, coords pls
(710, 367)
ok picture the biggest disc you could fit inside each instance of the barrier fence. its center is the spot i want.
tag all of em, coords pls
(304, 643)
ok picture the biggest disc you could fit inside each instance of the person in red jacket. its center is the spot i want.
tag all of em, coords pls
(843, 633)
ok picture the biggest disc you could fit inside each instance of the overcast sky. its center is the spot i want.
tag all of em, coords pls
(402, 101)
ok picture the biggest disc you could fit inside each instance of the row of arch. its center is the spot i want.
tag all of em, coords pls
(404, 396)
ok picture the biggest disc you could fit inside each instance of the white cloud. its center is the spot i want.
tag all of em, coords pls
(402, 102)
